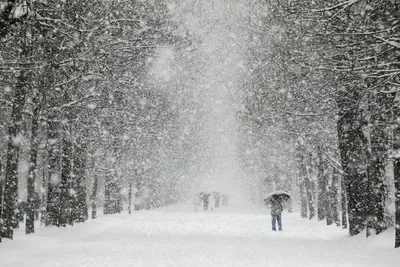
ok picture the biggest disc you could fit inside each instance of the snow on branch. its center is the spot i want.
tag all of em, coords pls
(69, 81)
(60, 21)
(75, 102)
(344, 4)
(126, 20)
(296, 113)
(392, 43)
(336, 165)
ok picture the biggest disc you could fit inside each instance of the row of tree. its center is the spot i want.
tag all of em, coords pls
(323, 79)
(77, 106)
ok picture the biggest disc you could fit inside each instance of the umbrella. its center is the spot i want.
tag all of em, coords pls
(278, 195)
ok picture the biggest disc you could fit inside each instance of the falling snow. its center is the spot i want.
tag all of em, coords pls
(181, 131)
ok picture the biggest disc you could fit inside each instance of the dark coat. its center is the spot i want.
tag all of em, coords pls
(206, 198)
(276, 206)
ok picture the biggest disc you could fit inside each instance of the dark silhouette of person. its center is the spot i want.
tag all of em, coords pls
(206, 200)
(137, 202)
(225, 199)
(276, 207)
(217, 199)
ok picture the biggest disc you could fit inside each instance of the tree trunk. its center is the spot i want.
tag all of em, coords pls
(322, 184)
(52, 208)
(289, 202)
(396, 174)
(396, 167)
(309, 189)
(66, 180)
(43, 196)
(377, 161)
(113, 198)
(352, 153)
(93, 197)
(31, 199)
(304, 182)
(334, 197)
(303, 198)
(107, 209)
(82, 196)
(10, 198)
(130, 198)
(328, 208)
(111, 202)
(1, 192)
(81, 210)
(343, 203)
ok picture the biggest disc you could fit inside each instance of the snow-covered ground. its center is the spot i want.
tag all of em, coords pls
(238, 235)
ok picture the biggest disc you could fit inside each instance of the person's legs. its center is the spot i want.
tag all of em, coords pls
(273, 217)
(279, 219)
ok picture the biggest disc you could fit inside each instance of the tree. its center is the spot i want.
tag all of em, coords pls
(10, 193)
(82, 60)
(396, 170)
(323, 208)
(30, 214)
(360, 80)
(368, 70)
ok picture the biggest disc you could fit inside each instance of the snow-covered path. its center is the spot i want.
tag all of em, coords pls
(177, 236)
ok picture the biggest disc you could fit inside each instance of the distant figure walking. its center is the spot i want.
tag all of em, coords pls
(197, 201)
(276, 213)
(225, 199)
(206, 200)
(137, 202)
(217, 199)
(212, 201)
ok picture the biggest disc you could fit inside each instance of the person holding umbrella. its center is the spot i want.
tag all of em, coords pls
(274, 201)
(206, 200)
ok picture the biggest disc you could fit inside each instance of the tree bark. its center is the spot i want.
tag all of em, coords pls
(289, 202)
(43, 196)
(1, 192)
(66, 180)
(108, 198)
(81, 209)
(305, 185)
(52, 208)
(93, 197)
(352, 153)
(10, 194)
(303, 198)
(343, 203)
(309, 189)
(111, 202)
(377, 161)
(396, 168)
(322, 184)
(113, 198)
(396, 174)
(328, 208)
(334, 197)
(31, 199)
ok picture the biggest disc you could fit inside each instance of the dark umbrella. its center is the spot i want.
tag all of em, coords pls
(277, 196)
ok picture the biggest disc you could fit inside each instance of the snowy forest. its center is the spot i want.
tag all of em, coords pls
(102, 99)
